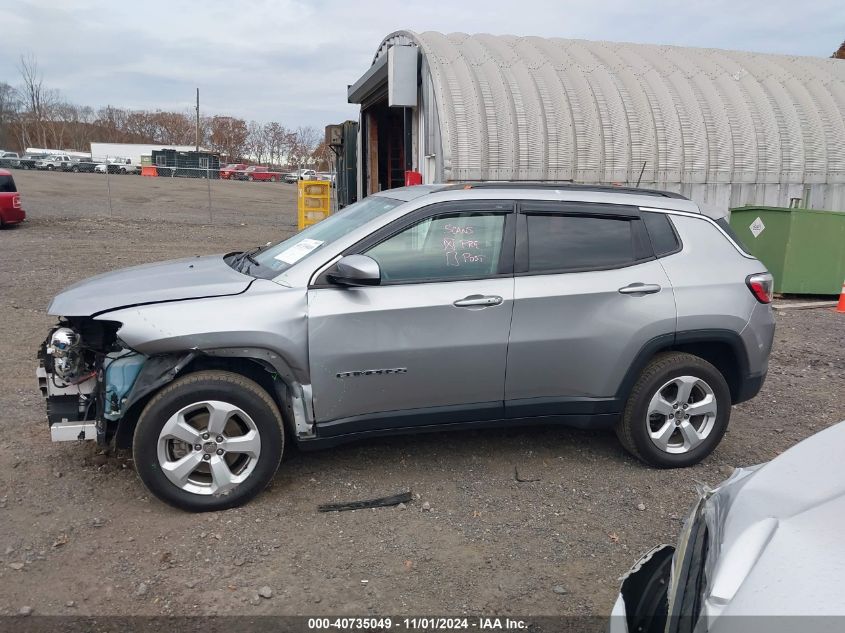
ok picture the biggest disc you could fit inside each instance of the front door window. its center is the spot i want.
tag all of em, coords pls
(446, 247)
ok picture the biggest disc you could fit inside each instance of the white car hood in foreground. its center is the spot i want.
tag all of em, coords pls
(764, 551)
(786, 520)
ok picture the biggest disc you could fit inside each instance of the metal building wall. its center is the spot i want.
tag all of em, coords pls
(724, 127)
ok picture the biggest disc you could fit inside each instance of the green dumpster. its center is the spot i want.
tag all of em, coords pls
(803, 248)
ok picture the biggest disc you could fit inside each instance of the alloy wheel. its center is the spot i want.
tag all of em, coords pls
(209, 447)
(681, 414)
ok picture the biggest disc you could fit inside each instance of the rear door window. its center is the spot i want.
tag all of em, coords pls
(569, 243)
(7, 184)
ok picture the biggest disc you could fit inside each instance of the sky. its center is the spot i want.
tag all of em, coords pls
(290, 60)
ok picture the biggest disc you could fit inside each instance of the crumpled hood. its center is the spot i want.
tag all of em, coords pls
(190, 278)
(806, 476)
(786, 518)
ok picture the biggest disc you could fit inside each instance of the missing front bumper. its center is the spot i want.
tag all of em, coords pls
(73, 431)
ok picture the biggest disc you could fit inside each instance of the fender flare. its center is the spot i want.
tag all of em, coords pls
(666, 342)
(160, 370)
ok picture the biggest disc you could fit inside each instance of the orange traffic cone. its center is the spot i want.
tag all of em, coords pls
(841, 306)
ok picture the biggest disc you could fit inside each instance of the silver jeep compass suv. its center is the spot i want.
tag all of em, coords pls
(417, 309)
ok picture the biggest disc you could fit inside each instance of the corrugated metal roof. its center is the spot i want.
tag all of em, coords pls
(530, 108)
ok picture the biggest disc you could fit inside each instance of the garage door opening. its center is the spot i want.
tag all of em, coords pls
(387, 146)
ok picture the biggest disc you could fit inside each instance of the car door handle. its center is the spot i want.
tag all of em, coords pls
(640, 289)
(478, 301)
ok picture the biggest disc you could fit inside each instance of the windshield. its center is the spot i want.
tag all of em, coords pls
(277, 258)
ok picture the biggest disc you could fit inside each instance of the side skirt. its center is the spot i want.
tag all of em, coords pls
(580, 421)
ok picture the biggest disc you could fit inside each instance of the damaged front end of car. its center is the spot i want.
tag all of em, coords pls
(90, 378)
(669, 589)
(84, 372)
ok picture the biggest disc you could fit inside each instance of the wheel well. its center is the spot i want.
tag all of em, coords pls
(255, 370)
(722, 356)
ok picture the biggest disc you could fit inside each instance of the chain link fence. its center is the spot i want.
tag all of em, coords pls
(233, 195)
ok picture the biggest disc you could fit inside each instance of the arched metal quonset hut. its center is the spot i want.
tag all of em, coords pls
(724, 128)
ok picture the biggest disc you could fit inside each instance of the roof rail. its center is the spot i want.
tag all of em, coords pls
(565, 185)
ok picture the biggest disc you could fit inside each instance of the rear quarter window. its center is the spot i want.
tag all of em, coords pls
(7, 184)
(664, 240)
(726, 227)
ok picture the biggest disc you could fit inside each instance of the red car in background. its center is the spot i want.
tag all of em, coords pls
(230, 171)
(11, 211)
(258, 172)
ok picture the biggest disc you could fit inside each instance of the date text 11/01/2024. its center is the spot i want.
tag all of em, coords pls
(418, 624)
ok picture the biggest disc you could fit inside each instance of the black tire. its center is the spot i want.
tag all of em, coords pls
(217, 385)
(633, 428)
(75, 169)
(49, 168)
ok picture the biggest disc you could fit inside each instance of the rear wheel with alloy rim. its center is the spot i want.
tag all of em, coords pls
(681, 414)
(209, 441)
(677, 412)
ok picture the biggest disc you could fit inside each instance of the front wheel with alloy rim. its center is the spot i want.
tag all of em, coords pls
(210, 440)
(677, 412)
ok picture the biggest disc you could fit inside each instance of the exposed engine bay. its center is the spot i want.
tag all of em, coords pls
(85, 373)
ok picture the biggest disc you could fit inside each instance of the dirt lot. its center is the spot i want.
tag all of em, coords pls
(92, 541)
(183, 200)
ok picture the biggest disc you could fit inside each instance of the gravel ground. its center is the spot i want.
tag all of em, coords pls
(80, 535)
(182, 200)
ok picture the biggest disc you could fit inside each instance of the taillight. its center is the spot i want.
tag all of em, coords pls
(16, 201)
(761, 286)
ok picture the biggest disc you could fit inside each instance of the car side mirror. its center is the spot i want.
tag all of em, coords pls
(355, 270)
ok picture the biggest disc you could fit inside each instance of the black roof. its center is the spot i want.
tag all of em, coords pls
(545, 184)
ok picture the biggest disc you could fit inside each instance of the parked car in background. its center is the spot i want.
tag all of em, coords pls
(327, 176)
(258, 172)
(301, 174)
(11, 211)
(765, 543)
(118, 166)
(85, 166)
(9, 159)
(229, 171)
(515, 303)
(56, 162)
(27, 161)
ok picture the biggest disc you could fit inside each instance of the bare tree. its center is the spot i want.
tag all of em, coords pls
(9, 110)
(322, 157)
(303, 143)
(62, 117)
(274, 138)
(37, 99)
(256, 142)
(229, 136)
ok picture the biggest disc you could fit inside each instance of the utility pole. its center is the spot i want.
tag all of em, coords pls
(198, 119)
